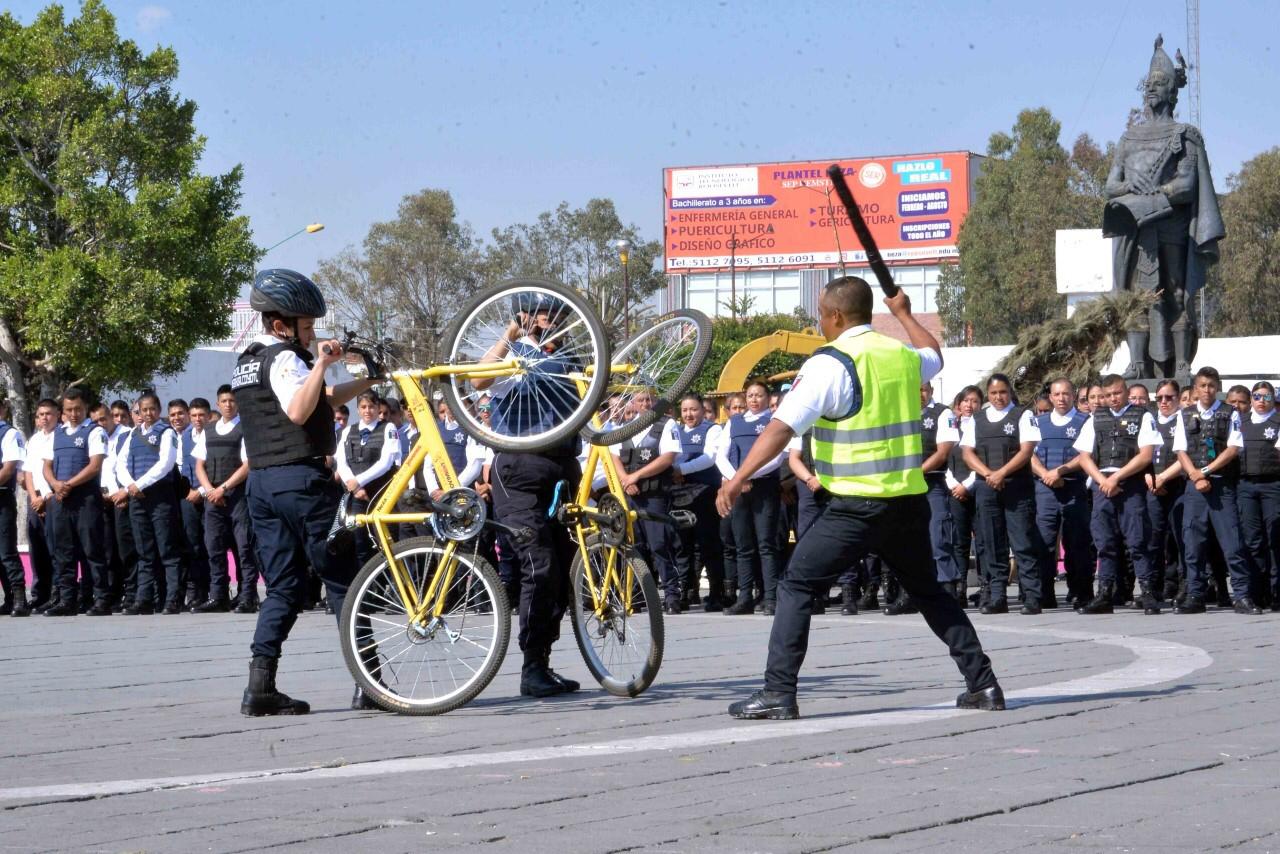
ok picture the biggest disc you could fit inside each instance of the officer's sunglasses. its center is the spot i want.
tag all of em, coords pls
(1262, 395)
(1166, 397)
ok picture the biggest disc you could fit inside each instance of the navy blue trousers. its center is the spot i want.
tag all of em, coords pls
(228, 528)
(1214, 510)
(159, 539)
(942, 532)
(755, 533)
(40, 551)
(1007, 518)
(1065, 510)
(1259, 505)
(79, 540)
(195, 557)
(10, 563)
(1121, 526)
(1165, 513)
(292, 508)
(701, 547)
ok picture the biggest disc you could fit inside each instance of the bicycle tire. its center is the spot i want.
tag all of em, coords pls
(365, 602)
(664, 398)
(462, 342)
(629, 679)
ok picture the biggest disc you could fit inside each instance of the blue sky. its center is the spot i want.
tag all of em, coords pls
(338, 109)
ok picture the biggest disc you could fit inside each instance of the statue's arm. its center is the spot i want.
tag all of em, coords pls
(1181, 188)
(1116, 183)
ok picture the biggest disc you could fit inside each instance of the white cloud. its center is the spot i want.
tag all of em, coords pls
(151, 18)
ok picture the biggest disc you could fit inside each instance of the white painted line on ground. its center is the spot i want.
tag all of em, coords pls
(1156, 662)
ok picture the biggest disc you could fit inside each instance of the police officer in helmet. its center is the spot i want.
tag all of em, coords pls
(287, 414)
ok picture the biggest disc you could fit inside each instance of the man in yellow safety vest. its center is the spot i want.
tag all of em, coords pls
(861, 396)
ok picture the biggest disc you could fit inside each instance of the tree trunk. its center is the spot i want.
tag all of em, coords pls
(13, 376)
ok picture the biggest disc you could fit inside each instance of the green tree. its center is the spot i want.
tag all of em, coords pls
(1028, 188)
(1245, 282)
(578, 247)
(409, 277)
(116, 254)
(729, 335)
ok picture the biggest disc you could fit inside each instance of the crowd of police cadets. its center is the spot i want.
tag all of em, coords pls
(1155, 500)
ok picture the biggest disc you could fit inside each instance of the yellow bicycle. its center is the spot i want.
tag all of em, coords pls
(614, 601)
(426, 622)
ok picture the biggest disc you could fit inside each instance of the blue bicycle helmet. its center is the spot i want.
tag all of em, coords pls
(286, 293)
(532, 302)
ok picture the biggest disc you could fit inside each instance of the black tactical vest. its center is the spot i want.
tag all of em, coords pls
(270, 438)
(221, 453)
(1207, 437)
(1260, 458)
(363, 451)
(1163, 456)
(997, 442)
(929, 423)
(1115, 437)
(645, 452)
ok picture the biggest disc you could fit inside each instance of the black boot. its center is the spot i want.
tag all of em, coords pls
(848, 600)
(261, 696)
(362, 702)
(213, 606)
(62, 608)
(568, 685)
(960, 593)
(819, 603)
(742, 606)
(19, 601)
(900, 605)
(246, 605)
(1150, 604)
(1102, 602)
(996, 602)
(870, 600)
(536, 679)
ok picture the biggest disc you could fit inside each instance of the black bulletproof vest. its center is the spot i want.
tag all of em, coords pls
(1260, 458)
(636, 458)
(1207, 437)
(1163, 456)
(270, 438)
(929, 418)
(1115, 437)
(361, 455)
(221, 453)
(996, 444)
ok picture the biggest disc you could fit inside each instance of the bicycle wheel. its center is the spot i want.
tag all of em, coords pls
(665, 358)
(540, 405)
(622, 645)
(435, 665)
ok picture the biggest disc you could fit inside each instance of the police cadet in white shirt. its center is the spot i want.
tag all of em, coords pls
(221, 469)
(71, 466)
(287, 417)
(146, 470)
(645, 463)
(999, 446)
(366, 459)
(940, 434)
(1207, 443)
(1259, 493)
(695, 471)
(12, 451)
(861, 394)
(1062, 501)
(39, 532)
(1115, 447)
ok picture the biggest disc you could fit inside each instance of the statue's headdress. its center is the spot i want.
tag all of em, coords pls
(1161, 62)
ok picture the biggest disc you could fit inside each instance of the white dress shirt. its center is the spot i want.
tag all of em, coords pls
(34, 462)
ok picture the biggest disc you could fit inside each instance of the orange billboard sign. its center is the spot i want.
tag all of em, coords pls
(787, 215)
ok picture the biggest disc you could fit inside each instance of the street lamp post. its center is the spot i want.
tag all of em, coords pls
(624, 255)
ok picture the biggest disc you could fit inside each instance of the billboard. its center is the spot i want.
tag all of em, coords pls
(786, 214)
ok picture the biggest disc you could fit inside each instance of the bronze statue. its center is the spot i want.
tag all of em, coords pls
(1162, 206)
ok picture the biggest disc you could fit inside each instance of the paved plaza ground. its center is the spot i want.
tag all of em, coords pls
(1125, 733)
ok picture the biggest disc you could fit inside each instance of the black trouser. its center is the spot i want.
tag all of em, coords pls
(115, 567)
(227, 528)
(700, 546)
(39, 549)
(125, 546)
(729, 548)
(963, 542)
(755, 533)
(78, 540)
(1165, 513)
(523, 488)
(1065, 510)
(1121, 526)
(195, 555)
(898, 528)
(10, 561)
(1258, 501)
(292, 509)
(942, 528)
(154, 516)
(655, 544)
(1214, 512)
(1005, 518)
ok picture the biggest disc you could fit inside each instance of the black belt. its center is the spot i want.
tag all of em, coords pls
(1261, 478)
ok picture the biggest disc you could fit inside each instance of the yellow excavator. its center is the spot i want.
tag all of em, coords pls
(738, 369)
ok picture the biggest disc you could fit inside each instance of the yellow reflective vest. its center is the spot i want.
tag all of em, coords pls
(877, 451)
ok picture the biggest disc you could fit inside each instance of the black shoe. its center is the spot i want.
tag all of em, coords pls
(213, 606)
(1049, 604)
(172, 608)
(671, 607)
(899, 606)
(1030, 610)
(768, 608)
(959, 590)
(767, 704)
(848, 600)
(1190, 605)
(568, 685)
(361, 702)
(742, 606)
(19, 605)
(988, 699)
(1245, 605)
(536, 681)
(1001, 607)
(101, 608)
(712, 605)
(61, 609)
(870, 601)
(249, 606)
(6, 609)
(819, 605)
(1103, 603)
(262, 698)
(1148, 602)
